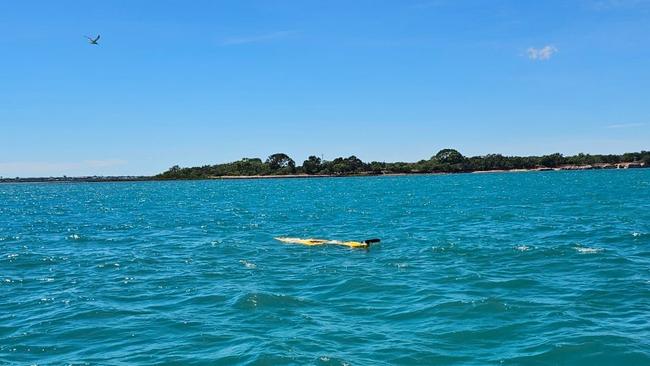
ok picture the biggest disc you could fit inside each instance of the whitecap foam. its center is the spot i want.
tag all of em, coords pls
(587, 250)
(248, 264)
(402, 265)
(522, 248)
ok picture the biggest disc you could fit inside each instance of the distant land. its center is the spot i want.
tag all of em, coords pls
(65, 179)
(445, 161)
(280, 165)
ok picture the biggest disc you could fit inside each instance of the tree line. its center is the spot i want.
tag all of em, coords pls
(445, 161)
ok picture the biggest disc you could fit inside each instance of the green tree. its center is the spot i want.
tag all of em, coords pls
(347, 165)
(377, 167)
(312, 165)
(552, 161)
(281, 161)
(645, 157)
(449, 156)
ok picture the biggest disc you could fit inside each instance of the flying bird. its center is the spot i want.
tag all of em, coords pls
(93, 41)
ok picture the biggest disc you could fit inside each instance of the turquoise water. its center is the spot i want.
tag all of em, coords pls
(473, 269)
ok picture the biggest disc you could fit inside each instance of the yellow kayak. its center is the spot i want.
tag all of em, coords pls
(350, 244)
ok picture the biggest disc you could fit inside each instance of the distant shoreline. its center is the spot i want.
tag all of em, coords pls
(94, 179)
(109, 179)
(281, 165)
(445, 161)
(622, 166)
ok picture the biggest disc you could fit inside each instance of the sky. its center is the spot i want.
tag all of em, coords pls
(208, 81)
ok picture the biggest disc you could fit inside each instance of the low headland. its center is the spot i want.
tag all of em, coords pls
(446, 161)
(280, 165)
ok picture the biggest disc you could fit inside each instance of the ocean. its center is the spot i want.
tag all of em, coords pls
(531, 268)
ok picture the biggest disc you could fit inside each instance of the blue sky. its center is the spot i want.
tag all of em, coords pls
(202, 82)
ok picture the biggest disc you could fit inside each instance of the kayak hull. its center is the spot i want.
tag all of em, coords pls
(312, 242)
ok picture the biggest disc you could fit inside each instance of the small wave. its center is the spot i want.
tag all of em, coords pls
(326, 360)
(255, 300)
(587, 250)
(523, 248)
(248, 264)
(402, 266)
(512, 283)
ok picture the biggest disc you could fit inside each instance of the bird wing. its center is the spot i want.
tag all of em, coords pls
(97, 39)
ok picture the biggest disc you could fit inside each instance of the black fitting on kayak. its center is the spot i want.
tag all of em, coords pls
(372, 241)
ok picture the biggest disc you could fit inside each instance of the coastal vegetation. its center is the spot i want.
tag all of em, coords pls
(445, 161)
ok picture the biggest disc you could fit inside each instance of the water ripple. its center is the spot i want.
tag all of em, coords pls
(536, 268)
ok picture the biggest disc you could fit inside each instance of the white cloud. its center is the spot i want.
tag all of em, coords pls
(602, 5)
(626, 125)
(256, 38)
(541, 54)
